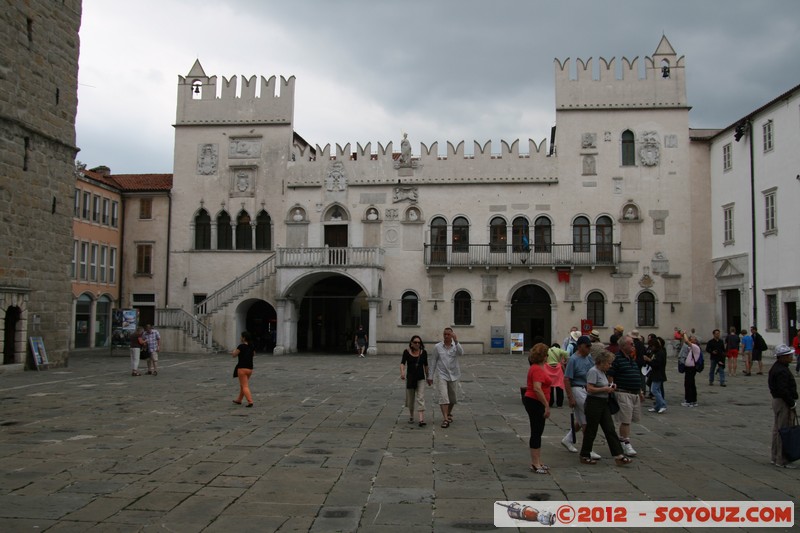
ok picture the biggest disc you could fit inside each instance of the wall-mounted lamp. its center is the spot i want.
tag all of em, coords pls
(185, 281)
(572, 306)
(671, 308)
(621, 309)
(489, 307)
(435, 306)
(390, 305)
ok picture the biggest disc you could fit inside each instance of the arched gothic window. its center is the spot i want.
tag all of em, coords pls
(438, 241)
(244, 233)
(263, 231)
(460, 235)
(497, 235)
(628, 148)
(581, 240)
(542, 235)
(202, 230)
(646, 309)
(224, 237)
(520, 235)
(409, 312)
(462, 309)
(604, 238)
(596, 308)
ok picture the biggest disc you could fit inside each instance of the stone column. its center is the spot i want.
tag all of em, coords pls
(253, 235)
(92, 320)
(280, 333)
(213, 235)
(372, 348)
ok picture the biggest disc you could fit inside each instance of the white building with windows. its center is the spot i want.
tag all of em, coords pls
(301, 244)
(755, 190)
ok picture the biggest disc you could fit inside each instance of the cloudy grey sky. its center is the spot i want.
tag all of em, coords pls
(441, 70)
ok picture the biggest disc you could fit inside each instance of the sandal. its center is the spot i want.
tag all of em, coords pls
(588, 460)
(622, 461)
(445, 424)
(135, 373)
(541, 469)
(450, 418)
(422, 423)
(237, 403)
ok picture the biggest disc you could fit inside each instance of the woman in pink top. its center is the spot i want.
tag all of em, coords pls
(537, 403)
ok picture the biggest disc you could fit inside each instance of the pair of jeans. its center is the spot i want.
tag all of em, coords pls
(715, 368)
(657, 388)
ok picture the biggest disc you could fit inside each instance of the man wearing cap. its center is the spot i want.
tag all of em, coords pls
(625, 373)
(597, 345)
(783, 389)
(578, 366)
(613, 345)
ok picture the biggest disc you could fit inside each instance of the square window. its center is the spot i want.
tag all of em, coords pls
(144, 259)
(146, 208)
(772, 311)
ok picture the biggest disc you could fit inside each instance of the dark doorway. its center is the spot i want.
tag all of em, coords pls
(733, 309)
(336, 237)
(530, 314)
(326, 322)
(791, 321)
(13, 315)
(147, 315)
(261, 323)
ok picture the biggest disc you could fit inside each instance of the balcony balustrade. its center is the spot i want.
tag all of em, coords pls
(339, 257)
(502, 255)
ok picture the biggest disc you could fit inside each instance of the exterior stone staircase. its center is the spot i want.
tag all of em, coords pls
(236, 288)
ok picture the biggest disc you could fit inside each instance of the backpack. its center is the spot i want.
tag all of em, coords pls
(700, 364)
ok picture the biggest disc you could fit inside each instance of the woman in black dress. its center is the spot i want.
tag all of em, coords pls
(413, 369)
(244, 369)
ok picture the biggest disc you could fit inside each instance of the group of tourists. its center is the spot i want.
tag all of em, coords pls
(606, 389)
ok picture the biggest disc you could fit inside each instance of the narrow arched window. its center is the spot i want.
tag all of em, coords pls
(596, 308)
(202, 230)
(462, 309)
(646, 309)
(224, 235)
(244, 233)
(581, 242)
(409, 312)
(460, 235)
(542, 235)
(497, 235)
(628, 148)
(438, 241)
(604, 238)
(263, 231)
(520, 235)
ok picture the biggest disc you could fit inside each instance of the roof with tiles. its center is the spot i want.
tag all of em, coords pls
(143, 182)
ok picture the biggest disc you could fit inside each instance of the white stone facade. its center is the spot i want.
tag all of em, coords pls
(755, 185)
(610, 222)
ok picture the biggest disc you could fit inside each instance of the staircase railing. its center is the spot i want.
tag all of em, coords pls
(237, 287)
(180, 319)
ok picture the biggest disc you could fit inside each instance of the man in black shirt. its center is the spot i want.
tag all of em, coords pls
(716, 349)
(783, 389)
(624, 372)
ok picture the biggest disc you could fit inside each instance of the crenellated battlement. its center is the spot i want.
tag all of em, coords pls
(257, 100)
(384, 166)
(661, 84)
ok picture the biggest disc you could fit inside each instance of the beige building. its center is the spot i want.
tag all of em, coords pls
(301, 244)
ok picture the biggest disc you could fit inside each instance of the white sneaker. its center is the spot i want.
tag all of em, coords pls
(595, 456)
(651, 409)
(686, 404)
(662, 410)
(628, 449)
(567, 442)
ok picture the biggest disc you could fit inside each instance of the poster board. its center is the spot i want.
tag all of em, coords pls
(39, 353)
(123, 324)
(517, 343)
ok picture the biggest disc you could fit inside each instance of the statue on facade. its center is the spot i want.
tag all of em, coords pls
(405, 151)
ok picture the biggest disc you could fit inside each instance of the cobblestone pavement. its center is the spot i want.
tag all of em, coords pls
(328, 447)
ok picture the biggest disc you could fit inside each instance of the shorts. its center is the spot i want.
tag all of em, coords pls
(756, 356)
(579, 393)
(733, 353)
(154, 356)
(446, 391)
(630, 408)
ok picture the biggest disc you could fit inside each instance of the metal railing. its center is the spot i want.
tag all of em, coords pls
(545, 255)
(369, 257)
(180, 319)
(237, 287)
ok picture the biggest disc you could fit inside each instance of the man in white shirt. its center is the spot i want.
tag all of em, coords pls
(443, 368)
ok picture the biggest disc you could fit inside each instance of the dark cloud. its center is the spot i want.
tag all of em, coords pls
(444, 70)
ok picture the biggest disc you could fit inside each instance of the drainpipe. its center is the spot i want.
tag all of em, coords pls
(749, 128)
(169, 235)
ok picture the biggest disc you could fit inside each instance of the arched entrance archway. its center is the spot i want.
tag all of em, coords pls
(330, 312)
(12, 318)
(531, 314)
(260, 322)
